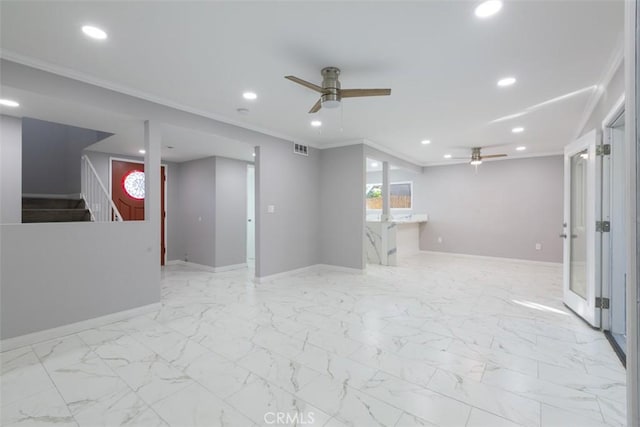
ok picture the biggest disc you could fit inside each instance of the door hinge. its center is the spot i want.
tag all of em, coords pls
(603, 226)
(603, 150)
(602, 302)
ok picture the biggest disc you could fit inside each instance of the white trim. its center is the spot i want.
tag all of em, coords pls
(230, 267)
(86, 78)
(73, 328)
(307, 269)
(615, 62)
(493, 258)
(614, 114)
(53, 196)
(207, 267)
(315, 268)
(340, 269)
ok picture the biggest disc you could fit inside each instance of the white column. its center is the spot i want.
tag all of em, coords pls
(386, 197)
(152, 141)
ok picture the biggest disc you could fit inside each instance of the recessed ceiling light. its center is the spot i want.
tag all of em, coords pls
(507, 81)
(141, 151)
(517, 130)
(521, 148)
(94, 32)
(249, 95)
(9, 103)
(488, 8)
(316, 123)
(425, 142)
(447, 156)
(374, 164)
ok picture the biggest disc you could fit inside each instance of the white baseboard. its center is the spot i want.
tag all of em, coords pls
(73, 328)
(309, 269)
(52, 196)
(493, 258)
(341, 269)
(207, 267)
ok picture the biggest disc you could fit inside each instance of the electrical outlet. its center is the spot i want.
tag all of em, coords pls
(439, 239)
(271, 208)
(538, 246)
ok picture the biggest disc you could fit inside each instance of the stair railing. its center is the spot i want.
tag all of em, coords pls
(95, 195)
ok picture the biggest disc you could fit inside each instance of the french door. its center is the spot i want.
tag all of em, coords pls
(581, 210)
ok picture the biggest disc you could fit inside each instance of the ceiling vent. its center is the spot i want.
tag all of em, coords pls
(300, 149)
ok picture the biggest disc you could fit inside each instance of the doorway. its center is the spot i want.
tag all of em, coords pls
(127, 188)
(251, 212)
(614, 206)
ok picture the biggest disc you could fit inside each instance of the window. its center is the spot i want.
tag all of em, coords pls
(133, 184)
(401, 196)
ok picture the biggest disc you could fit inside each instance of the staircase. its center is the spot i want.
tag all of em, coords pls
(54, 210)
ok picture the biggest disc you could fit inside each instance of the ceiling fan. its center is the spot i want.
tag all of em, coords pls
(330, 91)
(477, 157)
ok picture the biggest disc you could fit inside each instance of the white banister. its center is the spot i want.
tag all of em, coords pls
(95, 195)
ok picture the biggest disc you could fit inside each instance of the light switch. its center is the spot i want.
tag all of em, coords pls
(271, 208)
(538, 246)
(199, 219)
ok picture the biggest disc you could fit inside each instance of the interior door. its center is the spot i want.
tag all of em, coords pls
(127, 192)
(251, 209)
(580, 213)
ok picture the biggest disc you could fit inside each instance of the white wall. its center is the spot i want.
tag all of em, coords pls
(10, 170)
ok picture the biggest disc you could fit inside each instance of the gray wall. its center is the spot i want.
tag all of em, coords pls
(286, 239)
(196, 216)
(74, 280)
(208, 211)
(610, 96)
(51, 156)
(342, 181)
(10, 170)
(502, 210)
(230, 212)
(84, 270)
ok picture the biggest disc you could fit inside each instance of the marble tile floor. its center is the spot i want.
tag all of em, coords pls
(437, 341)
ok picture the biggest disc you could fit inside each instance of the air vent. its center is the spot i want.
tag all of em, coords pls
(300, 149)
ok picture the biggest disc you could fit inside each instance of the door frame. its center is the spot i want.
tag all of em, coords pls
(166, 179)
(585, 308)
(605, 276)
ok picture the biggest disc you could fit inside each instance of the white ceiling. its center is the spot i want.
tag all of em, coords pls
(440, 60)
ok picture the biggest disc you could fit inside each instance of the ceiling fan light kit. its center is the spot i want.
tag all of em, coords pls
(331, 93)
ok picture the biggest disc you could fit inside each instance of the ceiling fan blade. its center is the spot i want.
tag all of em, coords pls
(354, 93)
(305, 83)
(316, 107)
(493, 155)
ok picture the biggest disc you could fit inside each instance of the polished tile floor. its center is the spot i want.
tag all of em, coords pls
(438, 341)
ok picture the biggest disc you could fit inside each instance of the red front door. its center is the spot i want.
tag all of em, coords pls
(127, 192)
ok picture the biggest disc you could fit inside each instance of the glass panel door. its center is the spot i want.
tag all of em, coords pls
(577, 238)
(580, 246)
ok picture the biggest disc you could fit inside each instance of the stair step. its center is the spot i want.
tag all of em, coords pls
(55, 215)
(47, 203)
